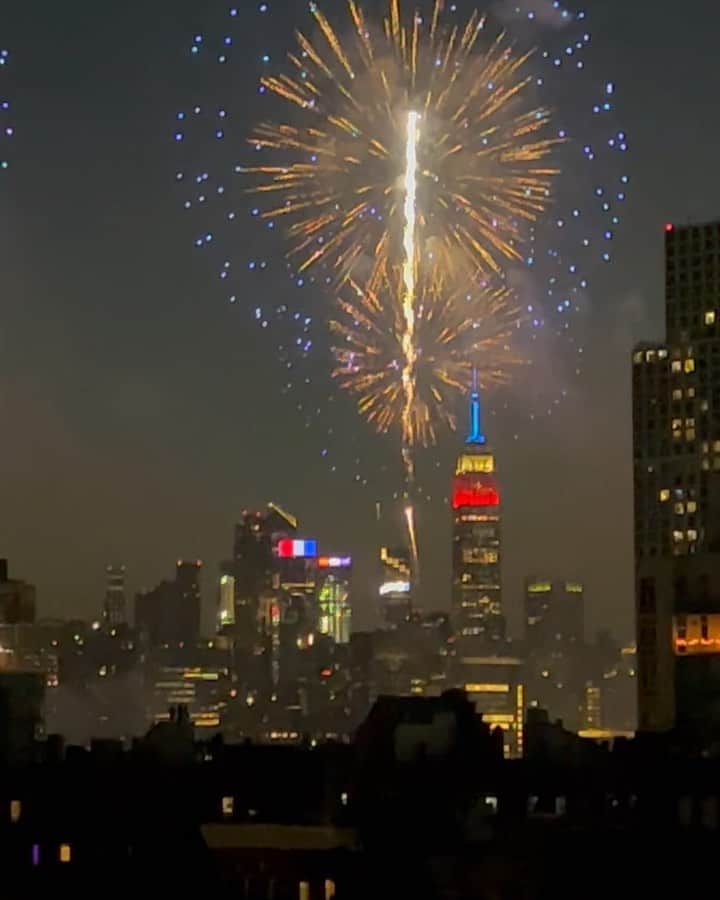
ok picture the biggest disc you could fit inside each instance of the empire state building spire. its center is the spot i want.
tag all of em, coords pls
(476, 435)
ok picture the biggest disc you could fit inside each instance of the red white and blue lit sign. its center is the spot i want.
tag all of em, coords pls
(291, 549)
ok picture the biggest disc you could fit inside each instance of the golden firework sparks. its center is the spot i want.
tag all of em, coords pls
(482, 174)
(455, 330)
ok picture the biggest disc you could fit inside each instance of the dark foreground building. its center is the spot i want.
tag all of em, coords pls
(422, 806)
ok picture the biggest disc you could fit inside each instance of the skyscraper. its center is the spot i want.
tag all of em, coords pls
(114, 607)
(169, 615)
(395, 586)
(476, 558)
(254, 563)
(676, 437)
(554, 637)
(554, 614)
(334, 610)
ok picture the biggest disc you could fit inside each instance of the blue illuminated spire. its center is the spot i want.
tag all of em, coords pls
(476, 435)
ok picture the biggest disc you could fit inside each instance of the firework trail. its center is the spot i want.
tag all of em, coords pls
(418, 134)
(490, 212)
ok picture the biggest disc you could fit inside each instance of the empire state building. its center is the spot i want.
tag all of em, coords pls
(477, 591)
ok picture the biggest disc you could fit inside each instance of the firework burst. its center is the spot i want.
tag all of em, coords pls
(455, 330)
(482, 172)
(353, 81)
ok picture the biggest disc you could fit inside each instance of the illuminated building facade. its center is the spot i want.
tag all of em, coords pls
(476, 558)
(676, 442)
(226, 602)
(333, 598)
(395, 586)
(114, 607)
(197, 677)
(494, 685)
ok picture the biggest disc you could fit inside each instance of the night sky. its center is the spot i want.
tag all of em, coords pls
(141, 412)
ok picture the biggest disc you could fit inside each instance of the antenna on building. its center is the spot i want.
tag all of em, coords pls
(476, 435)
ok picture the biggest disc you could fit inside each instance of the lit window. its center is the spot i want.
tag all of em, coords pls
(344, 798)
(692, 506)
(677, 424)
(706, 465)
(677, 394)
(662, 354)
(690, 434)
(690, 393)
(491, 804)
(228, 806)
(710, 317)
(677, 366)
(689, 423)
(678, 536)
(65, 853)
(15, 810)
(716, 464)
(705, 447)
(650, 356)
(692, 535)
(689, 366)
(638, 357)
(704, 406)
(716, 446)
(664, 495)
(679, 509)
(329, 889)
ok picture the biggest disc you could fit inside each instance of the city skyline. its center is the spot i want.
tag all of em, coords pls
(126, 382)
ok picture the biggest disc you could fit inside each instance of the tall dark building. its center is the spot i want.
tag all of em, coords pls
(676, 436)
(556, 660)
(253, 566)
(169, 615)
(476, 559)
(17, 599)
(554, 613)
(114, 607)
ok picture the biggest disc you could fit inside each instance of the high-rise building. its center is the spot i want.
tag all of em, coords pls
(395, 586)
(476, 590)
(333, 598)
(169, 615)
(554, 613)
(254, 564)
(226, 602)
(114, 607)
(494, 685)
(554, 639)
(676, 422)
(17, 599)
